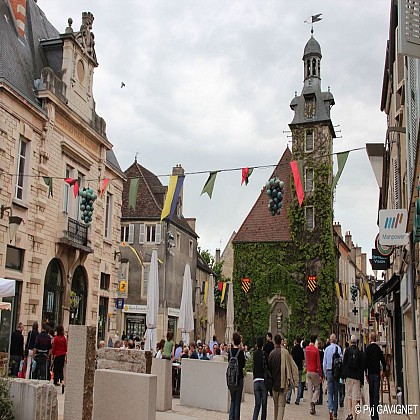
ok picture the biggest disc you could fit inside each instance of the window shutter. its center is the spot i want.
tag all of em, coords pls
(130, 233)
(309, 214)
(158, 233)
(309, 180)
(408, 28)
(396, 185)
(142, 233)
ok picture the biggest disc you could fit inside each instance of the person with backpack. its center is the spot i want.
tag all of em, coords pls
(260, 373)
(235, 377)
(332, 367)
(353, 373)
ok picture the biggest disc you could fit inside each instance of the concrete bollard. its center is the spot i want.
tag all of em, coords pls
(163, 370)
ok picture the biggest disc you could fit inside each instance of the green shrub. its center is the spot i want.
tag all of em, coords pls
(6, 404)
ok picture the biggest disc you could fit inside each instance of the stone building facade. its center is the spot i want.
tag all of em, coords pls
(64, 268)
(175, 241)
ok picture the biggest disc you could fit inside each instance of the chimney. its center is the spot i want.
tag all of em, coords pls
(191, 221)
(179, 170)
(348, 240)
(18, 9)
(217, 255)
(337, 228)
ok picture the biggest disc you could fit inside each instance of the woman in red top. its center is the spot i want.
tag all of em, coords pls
(59, 353)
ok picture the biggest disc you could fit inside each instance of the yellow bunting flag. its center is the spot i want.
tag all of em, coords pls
(223, 293)
(206, 289)
(337, 290)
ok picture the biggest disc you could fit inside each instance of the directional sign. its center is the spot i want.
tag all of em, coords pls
(123, 286)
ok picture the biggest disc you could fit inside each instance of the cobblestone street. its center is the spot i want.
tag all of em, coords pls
(293, 412)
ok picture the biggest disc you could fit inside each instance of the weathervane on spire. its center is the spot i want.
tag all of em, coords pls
(312, 19)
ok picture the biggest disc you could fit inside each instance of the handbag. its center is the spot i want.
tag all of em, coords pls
(268, 378)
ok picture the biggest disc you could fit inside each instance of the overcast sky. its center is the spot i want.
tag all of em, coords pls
(209, 83)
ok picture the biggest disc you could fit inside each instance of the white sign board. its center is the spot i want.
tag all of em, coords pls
(392, 227)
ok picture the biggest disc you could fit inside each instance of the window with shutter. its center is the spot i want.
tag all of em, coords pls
(130, 238)
(158, 233)
(408, 27)
(142, 234)
(396, 184)
(309, 216)
(146, 273)
(309, 179)
(309, 141)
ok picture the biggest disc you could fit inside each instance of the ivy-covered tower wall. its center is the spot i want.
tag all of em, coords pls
(311, 221)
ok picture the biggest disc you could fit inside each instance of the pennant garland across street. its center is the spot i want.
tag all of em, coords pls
(246, 284)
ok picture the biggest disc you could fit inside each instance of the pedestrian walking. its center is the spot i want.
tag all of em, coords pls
(313, 372)
(298, 357)
(59, 355)
(29, 349)
(353, 373)
(235, 377)
(284, 372)
(331, 366)
(260, 390)
(374, 357)
(16, 350)
(321, 390)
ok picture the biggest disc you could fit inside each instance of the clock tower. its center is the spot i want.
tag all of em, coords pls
(311, 222)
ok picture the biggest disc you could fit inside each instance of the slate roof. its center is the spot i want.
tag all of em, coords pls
(312, 47)
(22, 59)
(150, 198)
(260, 225)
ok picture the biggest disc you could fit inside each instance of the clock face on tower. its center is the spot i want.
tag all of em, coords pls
(310, 108)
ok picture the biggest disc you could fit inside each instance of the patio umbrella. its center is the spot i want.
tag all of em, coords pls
(5, 306)
(210, 310)
(7, 287)
(186, 317)
(229, 314)
(152, 304)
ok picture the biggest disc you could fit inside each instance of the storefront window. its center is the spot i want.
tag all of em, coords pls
(53, 295)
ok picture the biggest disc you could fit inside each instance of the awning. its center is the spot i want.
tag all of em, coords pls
(391, 285)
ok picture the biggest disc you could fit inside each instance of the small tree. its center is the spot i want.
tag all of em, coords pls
(6, 403)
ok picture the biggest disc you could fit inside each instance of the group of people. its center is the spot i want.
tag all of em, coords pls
(278, 372)
(351, 367)
(42, 356)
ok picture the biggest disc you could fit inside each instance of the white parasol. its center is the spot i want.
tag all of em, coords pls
(152, 304)
(210, 310)
(186, 316)
(230, 314)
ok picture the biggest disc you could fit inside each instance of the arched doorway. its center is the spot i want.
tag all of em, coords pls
(78, 297)
(53, 294)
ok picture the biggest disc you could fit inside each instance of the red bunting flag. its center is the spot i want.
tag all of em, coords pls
(104, 184)
(297, 170)
(220, 286)
(246, 173)
(73, 182)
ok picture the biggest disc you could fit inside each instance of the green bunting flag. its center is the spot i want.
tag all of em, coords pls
(341, 161)
(209, 185)
(48, 181)
(132, 195)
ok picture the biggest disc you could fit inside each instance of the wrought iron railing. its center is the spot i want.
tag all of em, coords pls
(77, 232)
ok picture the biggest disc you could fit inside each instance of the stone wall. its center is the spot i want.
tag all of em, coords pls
(33, 400)
(136, 361)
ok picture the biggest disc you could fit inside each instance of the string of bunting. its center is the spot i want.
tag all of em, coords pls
(175, 182)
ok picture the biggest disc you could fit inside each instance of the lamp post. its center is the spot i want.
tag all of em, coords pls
(14, 221)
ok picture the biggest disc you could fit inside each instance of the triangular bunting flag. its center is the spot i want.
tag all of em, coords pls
(49, 181)
(172, 195)
(337, 290)
(223, 292)
(73, 182)
(104, 184)
(206, 289)
(297, 171)
(209, 185)
(246, 173)
(220, 286)
(132, 195)
(341, 161)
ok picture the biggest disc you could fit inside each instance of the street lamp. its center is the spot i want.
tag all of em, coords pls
(14, 221)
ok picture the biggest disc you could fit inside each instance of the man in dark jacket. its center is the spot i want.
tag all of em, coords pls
(298, 357)
(16, 350)
(373, 359)
(29, 349)
(42, 350)
(353, 372)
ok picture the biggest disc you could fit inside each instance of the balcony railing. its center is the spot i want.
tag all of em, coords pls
(77, 232)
